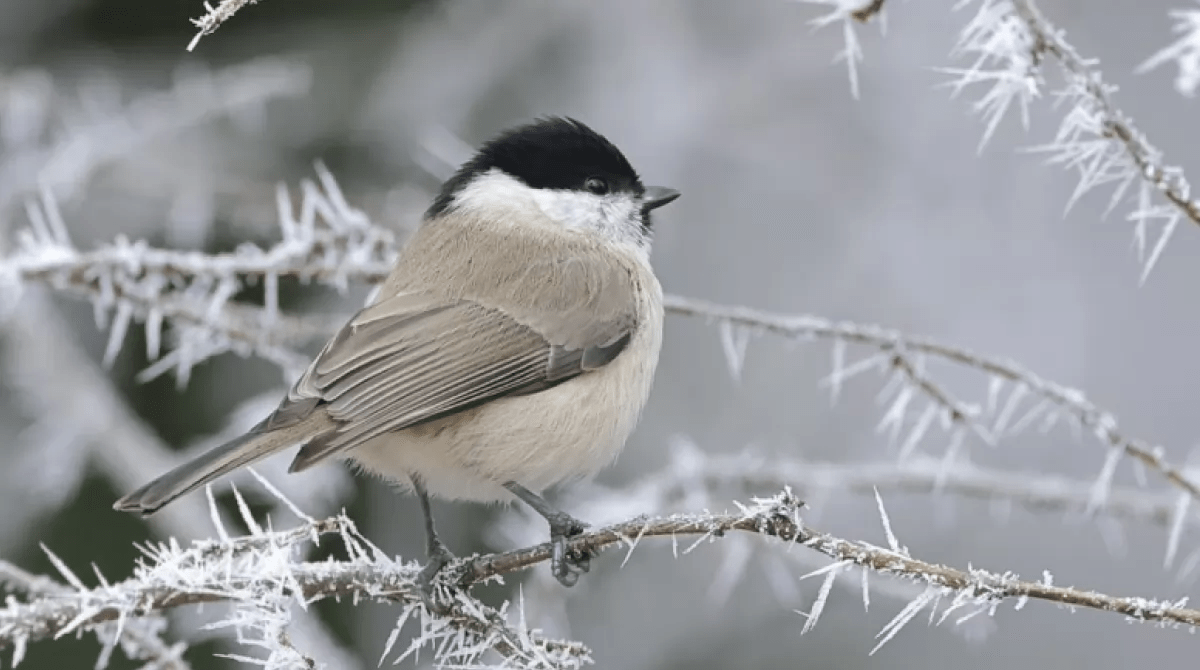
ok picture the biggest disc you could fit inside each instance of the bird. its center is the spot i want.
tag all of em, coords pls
(511, 349)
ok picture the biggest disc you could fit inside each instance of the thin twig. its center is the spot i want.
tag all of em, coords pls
(140, 637)
(694, 476)
(1116, 124)
(215, 16)
(1069, 400)
(868, 11)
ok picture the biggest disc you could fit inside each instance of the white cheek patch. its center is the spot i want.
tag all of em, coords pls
(617, 216)
(493, 192)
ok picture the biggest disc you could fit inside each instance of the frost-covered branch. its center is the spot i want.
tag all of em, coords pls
(695, 477)
(140, 639)
(259, 575)
(894, 351)
(61, 153)
(1010, 40)
(215, 16)
(82, 422)
(328, 241)
(848, 13)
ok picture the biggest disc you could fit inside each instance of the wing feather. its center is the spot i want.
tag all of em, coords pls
(448, 339)
(398, 364)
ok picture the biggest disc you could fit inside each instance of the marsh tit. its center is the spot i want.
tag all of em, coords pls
(511, 349)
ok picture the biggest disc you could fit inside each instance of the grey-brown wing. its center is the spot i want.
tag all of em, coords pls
(414, 358)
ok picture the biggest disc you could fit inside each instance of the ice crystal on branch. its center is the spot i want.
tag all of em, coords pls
(214, 17)
(916, 403)
(265, 580)
(49, 143)
(1184, 52)
(847, 13)
(1011, 42)
(326, 241)
(1004, 59)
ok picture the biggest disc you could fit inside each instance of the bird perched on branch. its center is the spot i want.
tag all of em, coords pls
(511, 349)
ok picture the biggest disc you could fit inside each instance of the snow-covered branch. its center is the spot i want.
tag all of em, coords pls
(258, 573)
(698, 479)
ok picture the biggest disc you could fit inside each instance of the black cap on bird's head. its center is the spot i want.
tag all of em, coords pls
(554, 153)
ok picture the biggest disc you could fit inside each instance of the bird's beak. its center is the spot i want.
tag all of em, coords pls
(657, 196)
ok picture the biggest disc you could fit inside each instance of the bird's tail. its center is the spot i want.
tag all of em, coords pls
(253, 446)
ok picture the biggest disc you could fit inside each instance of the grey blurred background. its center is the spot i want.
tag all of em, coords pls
(797, 198)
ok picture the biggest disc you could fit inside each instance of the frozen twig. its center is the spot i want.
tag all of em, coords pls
(140, 638)
(869, 10)
(256, 569)
(331, 242)
(326, 241)
(1010, 41)
(848, 13)
(694, 477)
(893, 344)
(215, 16)
(258, 575)
(83, 142)
(76, 403)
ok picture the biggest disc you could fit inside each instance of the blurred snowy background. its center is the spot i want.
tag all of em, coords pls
(797, 199)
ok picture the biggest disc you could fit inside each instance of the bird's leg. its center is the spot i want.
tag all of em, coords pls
(437, 552)
(566, 567)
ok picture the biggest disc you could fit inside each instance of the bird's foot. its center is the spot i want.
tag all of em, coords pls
(439, 557)
(567, 565)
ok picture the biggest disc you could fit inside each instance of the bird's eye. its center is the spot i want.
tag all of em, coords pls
(596, 185)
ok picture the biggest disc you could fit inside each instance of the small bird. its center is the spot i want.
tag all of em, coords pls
(511, 349)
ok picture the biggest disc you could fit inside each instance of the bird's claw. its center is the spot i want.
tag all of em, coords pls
(567, 565)
(439, 557)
